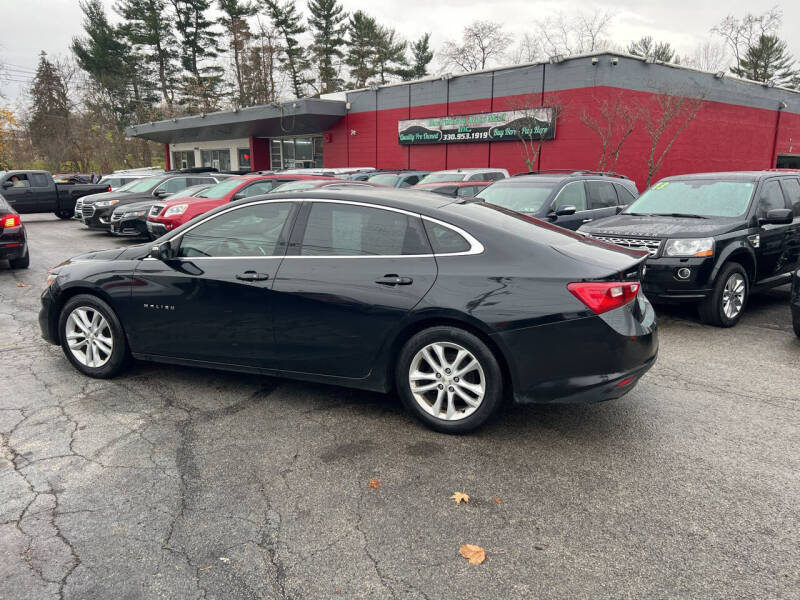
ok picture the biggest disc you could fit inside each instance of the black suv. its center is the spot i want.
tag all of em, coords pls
(97, 209)
(712, 237)
(567, 198)
(796, 303)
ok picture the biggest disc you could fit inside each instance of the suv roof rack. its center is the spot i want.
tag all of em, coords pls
(574, 172)
(195, 170)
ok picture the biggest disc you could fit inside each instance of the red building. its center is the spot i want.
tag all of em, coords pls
(725, 123)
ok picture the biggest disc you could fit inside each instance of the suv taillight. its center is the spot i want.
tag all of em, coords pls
(603, 296)
(9, 220)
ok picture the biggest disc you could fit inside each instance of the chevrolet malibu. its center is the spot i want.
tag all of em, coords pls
(454, 306)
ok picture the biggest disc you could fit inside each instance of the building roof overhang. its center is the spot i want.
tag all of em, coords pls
(294, 117)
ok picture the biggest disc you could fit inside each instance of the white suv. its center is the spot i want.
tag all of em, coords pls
(465, 175)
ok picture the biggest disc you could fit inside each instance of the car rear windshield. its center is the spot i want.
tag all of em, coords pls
(437, 177)
(294, 185)
(703, 197)
(221, 189)
(527, 198)
(385, 179)
(141, 185)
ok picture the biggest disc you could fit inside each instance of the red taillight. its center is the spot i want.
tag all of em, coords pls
(109, 189)
(10, 220)
(602, 296)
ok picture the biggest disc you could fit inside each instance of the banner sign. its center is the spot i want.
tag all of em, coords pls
(506, 126)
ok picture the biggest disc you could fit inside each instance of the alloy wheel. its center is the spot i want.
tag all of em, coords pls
(89, 336)
(447, 381)
(733, 295)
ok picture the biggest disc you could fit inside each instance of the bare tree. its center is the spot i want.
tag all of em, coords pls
(576, 34)
(528, 50)
(709, 56)
(741, 34)
(613, 121)
(664, 119)
(482, 42)
(531, 122)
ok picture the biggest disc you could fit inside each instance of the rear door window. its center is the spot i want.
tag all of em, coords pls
(770, 198)
(601, 194)
(176, 184)
(39, 180)
(337, 229)
(625, 195)
(791, 188)
(262, 187)
(572, 194)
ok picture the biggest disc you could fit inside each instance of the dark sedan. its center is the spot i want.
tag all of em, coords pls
(796, 302)
(131, 219)
(454, 305)
(13, 240)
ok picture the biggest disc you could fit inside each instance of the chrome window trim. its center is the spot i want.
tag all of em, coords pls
(476, 247)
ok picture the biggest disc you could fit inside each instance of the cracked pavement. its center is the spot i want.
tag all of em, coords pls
(174, 482)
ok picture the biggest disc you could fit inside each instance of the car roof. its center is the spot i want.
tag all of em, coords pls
(737, 175)
(424, 186)
(472, 170)
(402, 199)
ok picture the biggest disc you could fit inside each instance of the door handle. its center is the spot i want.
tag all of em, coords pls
(393, 280)
(252, 276)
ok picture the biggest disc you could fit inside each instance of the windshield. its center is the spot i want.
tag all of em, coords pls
(703, 197)
(221, 189)
(385, 179)
(437, 177)
(127, 187)
(189, 192)
(525, 198)
(294, 185)
(141, 185)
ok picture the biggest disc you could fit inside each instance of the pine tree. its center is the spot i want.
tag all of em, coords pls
(146, 26)
(768, 60)
(362, 33)
(234, 20)
(660, 51)
(294, 60)
(198, 44)
(328, 26)
(49, 124)
(421, 57)
(390, 54)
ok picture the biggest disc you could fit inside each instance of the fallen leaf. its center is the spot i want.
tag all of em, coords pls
(225, 559)
(374, 484)
(498, 500)
(475, 554)
(20, 284)
(460, 497)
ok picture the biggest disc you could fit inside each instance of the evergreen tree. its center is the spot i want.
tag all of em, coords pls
(361, 52)
(146, 26)
(768, 60)
(328, 26)
(49, 124)
(660, 51)
(421, 57)
(390, 54)
(198, 43)
(234, 20)
(294, 60)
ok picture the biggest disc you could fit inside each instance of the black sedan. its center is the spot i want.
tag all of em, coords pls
(453, 305)
(13, 240)
(796, 302)
(131, 219)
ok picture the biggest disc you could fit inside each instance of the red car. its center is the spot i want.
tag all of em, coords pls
(166, 216)
(454, 189)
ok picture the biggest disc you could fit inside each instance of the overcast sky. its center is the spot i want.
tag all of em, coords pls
(49, 25)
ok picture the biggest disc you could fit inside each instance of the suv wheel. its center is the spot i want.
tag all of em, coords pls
(449, 379)
(65, 214)
(92, 337)
(725, 304)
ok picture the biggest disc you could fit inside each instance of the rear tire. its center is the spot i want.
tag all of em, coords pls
(92, 337)
(65, 214)
(724, 306)
(22, 262)
(449, 379)
(796, 324)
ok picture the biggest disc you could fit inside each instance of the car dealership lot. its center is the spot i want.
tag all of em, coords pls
(178, 483)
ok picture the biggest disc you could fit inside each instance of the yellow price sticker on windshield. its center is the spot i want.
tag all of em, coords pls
(661, 185)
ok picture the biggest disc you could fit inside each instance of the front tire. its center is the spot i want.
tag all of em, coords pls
(65, 214)
(92, 337)
(725, 305)
(449, 379)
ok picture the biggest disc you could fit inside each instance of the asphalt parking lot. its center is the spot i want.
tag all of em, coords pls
(173, 482)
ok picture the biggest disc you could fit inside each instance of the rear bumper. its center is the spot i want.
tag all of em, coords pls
(12, 243)
(661, 282)
(588, 359)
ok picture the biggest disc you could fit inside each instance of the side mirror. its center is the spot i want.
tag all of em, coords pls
(161, 194)
(566, 211)
(238, 196)
(162, 251)
(7, 184)
(778, 216)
